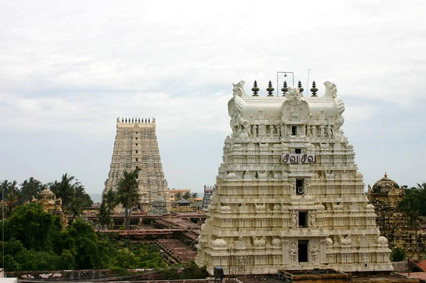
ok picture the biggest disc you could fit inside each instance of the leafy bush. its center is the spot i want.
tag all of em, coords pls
(36, 241)
(397, 254)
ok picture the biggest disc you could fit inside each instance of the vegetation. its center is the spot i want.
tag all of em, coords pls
(412, 205)
(397, 254)
(36, 241)
(30, 189)
(127, 193)
(109, 201)
(73, 195)
(74, 198)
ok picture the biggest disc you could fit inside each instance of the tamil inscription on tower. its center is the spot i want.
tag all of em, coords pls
(288, 193)
(136, 146)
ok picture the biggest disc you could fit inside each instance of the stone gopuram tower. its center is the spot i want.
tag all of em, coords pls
(288, 193)
(136, 146)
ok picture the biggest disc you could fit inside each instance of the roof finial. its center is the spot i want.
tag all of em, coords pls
(314, 89)
(270, 89)
(299, 85)
(255, 89)
(285, 88)
(386, 175)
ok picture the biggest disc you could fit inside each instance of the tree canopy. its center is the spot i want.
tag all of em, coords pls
(127, 192)
(36, 241)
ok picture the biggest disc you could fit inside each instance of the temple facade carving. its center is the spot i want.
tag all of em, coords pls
(136, 146)
(288, 192)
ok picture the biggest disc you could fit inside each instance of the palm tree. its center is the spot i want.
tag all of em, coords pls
(74, 198)
(11, 195)
(411, 205)
(30, 189)
(109, 201)
(127, 192)
(75, 207)
(65, 189)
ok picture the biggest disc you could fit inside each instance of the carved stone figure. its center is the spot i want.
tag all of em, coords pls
(240, 244)
(294, 218)
(293, 252)
(346, 241)
(259, 243)
(314, 252)
(330, 89)
(312, 219)
(238, 89)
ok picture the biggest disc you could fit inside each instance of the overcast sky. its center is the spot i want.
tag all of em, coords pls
(68, 69)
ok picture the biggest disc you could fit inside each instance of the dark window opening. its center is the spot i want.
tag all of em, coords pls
(293, 130)
(303, 251)
(303, 215)
(136, 144)
(298, 150)
(136, 151)
(300, 187)
(136, 138)
(137, 159)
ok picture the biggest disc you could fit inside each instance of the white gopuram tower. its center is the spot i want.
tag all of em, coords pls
(288, 193)
(136, 146)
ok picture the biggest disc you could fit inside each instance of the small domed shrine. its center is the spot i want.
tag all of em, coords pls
(393, 224)
(288, 193)
(49, 202)
(386, 191)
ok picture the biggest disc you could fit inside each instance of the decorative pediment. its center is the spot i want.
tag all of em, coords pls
(294, 110)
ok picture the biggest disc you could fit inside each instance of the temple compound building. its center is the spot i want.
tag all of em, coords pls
(136, 146)
(288, 193)
(385, 195)
(208, 192)
(48, 201)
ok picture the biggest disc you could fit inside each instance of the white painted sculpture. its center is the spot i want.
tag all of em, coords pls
(288, 193)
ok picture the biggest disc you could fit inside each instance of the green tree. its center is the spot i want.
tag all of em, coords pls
(30, 189)
(411, 206)
(64, 189)
(187, 195)
(178, 196)
(127, 192)
(10, 193)
(33, 227)
(80, 193)
(109, 201)
(397, 254)
(82, 239)
(194, 195)
(74, 198)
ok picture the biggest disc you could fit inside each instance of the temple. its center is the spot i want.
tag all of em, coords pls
(393, 223)
(288, 194)
(136, 146)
